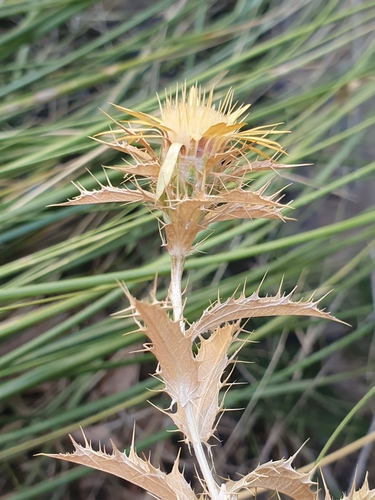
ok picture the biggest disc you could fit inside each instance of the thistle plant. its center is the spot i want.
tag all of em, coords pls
(192, 166)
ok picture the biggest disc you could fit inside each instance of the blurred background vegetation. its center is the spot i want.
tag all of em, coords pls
(64, 362)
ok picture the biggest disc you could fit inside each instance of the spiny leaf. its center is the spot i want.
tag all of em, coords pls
(189, 380)
(189, 216)
(237, 211)
(209, 364)
(239, 203)
(172, 486)
(212, 360)
(277, 476)
(363, 493)
(255, 306)
(109, 194)
(263, 165)
(245, 197)
(172, 350)
(184, 225)
(256, 166)
(150, 170)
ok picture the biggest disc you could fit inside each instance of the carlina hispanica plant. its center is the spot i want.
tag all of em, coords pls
(196, 175)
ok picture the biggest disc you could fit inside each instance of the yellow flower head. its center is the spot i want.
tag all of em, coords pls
(199, 142)
(190, 118)
(198, 173)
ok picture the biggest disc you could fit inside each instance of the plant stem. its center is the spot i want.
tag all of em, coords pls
(200, 455)
(175, 296)
(175, 292)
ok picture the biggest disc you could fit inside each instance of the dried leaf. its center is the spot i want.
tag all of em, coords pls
(277, 476)
(172, 486)
(145, 169)
(210, 363)
(241, 203)
(260, 166)
(173, 351)
(237, 211)
(255, 306)
(245, 197)
(139, 154)
(212, 360)
(109, 194)
(193, 381)
(363, 493)
(183, 226)
(189, 216)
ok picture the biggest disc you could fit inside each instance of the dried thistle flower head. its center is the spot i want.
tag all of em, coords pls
(198, 173)
(209, 140)
(200, 145)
